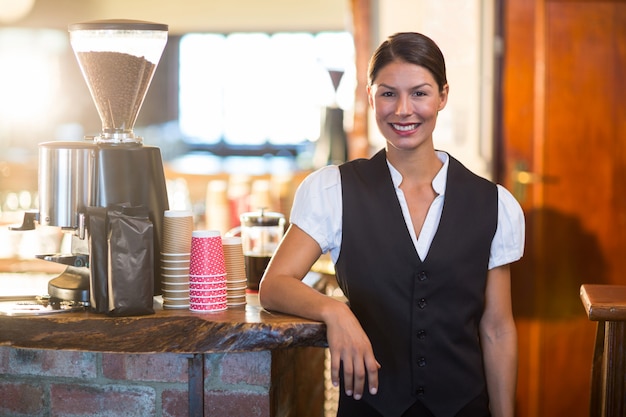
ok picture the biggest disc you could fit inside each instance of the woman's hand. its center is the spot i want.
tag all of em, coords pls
(350, 346)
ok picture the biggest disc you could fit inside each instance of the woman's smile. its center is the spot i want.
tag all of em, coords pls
(404, 128)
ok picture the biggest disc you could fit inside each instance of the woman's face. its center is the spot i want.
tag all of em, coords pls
(406, 99)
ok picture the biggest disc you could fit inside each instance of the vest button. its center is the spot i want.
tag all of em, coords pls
(422, 276)
(421, 334)
(422, 303)
(419, 391)
(421, 362)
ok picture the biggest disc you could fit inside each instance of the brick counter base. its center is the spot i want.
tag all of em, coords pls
(55, 383)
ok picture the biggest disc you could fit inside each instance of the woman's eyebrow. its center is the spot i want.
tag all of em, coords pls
(412, 88)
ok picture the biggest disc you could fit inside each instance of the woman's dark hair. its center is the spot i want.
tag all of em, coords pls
(413, 48)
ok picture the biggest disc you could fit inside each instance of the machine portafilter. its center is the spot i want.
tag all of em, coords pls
(118, 59)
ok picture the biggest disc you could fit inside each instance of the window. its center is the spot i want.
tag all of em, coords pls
(258, 88)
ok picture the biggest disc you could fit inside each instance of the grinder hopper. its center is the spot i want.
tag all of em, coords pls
(118, 59)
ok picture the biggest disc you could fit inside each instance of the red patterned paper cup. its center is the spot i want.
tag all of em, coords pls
(208, 293)
(207, 278)
(207, 253)
(206, 285)
(207, 300)
(205, 308)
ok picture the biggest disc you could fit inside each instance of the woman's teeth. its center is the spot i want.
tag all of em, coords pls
(404, 128)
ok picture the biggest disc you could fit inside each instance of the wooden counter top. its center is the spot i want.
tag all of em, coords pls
(167, 331)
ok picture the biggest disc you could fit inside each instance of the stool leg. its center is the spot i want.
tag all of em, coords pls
(597, 372)
(615, 369)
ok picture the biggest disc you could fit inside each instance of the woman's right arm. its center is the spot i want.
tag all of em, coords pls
(282, 289)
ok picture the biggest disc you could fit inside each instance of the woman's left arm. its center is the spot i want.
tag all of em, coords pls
(498, 337)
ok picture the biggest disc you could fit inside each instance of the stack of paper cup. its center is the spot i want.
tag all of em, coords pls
(175, 258)
(235, 272)
(207, 272)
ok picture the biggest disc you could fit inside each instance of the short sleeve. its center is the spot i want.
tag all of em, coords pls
(317, 208)
(508, 243)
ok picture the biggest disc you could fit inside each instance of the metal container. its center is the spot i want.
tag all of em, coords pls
(65, 182)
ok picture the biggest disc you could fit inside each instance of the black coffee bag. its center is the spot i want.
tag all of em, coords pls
(130, 261)
(98, 259)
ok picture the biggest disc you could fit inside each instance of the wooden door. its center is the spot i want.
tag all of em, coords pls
(563, 147)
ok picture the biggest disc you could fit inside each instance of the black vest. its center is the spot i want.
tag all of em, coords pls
(421, 316)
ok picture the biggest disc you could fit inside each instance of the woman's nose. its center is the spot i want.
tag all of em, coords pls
(403, 106)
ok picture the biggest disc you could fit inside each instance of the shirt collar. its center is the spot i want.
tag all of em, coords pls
(439, 182)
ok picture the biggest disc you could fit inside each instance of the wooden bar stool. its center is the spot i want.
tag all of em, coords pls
(606, 304)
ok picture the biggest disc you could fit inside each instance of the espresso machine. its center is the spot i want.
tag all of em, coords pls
(118, 59)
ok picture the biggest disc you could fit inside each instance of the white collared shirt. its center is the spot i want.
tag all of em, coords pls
(317, 210)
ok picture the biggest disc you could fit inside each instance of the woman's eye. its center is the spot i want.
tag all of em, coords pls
(419, 93)
(387, 94)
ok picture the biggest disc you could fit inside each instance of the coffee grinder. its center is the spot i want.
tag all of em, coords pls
(118, 59)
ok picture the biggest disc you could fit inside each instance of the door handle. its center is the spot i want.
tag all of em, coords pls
(521, 178)
(525, 177)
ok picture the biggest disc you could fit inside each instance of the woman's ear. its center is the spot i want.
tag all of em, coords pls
(443, 97)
